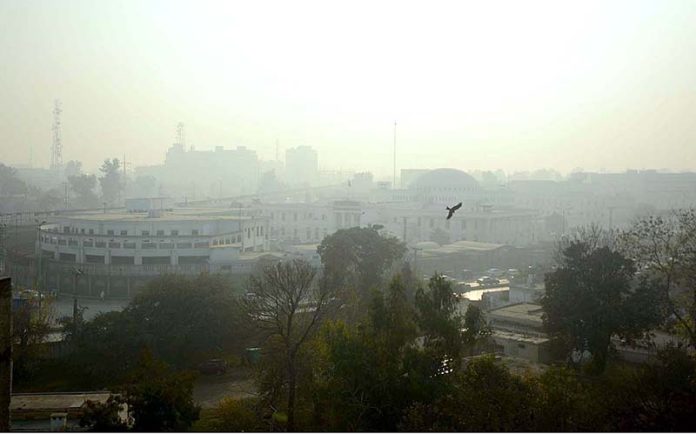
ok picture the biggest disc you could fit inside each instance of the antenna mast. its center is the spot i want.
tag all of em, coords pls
(394, 175)
(56, 145)
(181, 135)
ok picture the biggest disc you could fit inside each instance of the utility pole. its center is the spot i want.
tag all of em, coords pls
(394, 174)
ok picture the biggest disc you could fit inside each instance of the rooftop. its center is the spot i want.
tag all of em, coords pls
(176, 214)
(522, 313)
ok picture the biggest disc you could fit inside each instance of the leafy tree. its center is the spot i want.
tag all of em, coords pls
(358, 258)
(438, 319)
(288, 303)
(658, 396)
(110, 180)
(202, 312)
(665, 250)
(73, 168)
(484, 397)
(590, 297)
(31, 324)
(158, 398)
(10, 184)
(237, 415)
(365, 372)
(104, 417)
(83, 186)
(476, 328)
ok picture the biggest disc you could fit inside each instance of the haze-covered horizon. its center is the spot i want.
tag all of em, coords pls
(495, 85)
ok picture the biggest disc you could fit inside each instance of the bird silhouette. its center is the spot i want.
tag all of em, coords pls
(452, 210)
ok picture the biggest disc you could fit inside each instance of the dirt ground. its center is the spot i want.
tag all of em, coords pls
(209, 390)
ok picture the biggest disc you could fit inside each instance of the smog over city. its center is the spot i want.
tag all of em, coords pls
(347, 216)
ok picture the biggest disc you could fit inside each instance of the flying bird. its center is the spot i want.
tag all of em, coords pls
(452, 210)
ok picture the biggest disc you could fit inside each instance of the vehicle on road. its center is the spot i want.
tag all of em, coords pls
(487, 281)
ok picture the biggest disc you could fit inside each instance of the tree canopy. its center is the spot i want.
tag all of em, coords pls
(592, 296)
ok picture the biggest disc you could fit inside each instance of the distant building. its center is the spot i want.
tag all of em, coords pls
(117, 251)
(301, 166)
(518, 331)
(217, 173)
(54, 411)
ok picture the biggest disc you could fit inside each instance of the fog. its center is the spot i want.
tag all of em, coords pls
(347, 216)
(472, 85)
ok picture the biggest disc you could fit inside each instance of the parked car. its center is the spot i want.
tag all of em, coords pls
(487, 281)
(213, 367)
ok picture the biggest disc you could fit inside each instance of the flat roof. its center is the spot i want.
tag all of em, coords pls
(57, 401)
(519, 337)
(521, 312)
(462, 247)
(176, 214)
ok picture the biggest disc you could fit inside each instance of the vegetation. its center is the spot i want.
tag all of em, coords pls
(591, 297)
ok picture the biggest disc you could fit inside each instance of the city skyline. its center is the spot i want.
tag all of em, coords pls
(472, 86)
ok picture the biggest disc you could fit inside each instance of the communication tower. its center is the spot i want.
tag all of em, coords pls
(56, 144)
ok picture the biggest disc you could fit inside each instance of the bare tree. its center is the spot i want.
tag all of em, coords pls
(665, 249)
(288, 302)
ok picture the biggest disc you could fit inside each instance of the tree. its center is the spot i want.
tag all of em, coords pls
(104, 417)
(31, 324)
(665, 250)
(202, 312)
(591, 297)
(110, 181)
(365, 372)
(83, 185)
(476, 328)
(158, 398)
(73, 168)
(10, 184)
(438, 319)
(485, 397)
(358, 259)
(288, 304)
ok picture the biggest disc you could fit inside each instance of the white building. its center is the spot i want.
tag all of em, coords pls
(178, 236)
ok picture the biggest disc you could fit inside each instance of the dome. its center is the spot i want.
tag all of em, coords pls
(446, 179)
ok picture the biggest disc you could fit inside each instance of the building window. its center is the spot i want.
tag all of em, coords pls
(201, 245)
(110, 232)
(145, 233)
(114, 245)
(101, 244)
(194, 232)
(129, 245)
(66, 229)
(175, 232)
(124, 233)
(88, 243)
(183, 245)
(61, 242)
(160, 232)
(91, 231)
(147, 244)
(82, 231)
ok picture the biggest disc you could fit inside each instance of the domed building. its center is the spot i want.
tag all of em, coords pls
(446, 186)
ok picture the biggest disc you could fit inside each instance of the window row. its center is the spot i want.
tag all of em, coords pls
(124, 233)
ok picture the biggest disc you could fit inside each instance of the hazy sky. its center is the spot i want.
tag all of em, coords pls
(474, 85)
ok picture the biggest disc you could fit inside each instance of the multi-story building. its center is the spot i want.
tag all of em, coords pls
(301, 166)
(116, 251)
